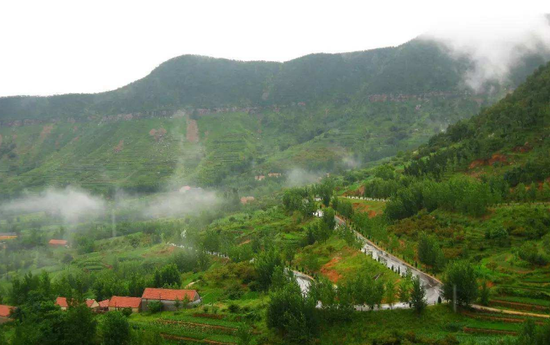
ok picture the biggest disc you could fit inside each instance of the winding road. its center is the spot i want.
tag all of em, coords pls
(432, 285)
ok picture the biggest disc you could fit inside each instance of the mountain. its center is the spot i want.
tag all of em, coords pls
(205, 121)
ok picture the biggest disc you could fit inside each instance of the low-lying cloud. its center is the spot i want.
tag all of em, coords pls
(71, 204)
(300, 177)
(181, 203)
(494, 45)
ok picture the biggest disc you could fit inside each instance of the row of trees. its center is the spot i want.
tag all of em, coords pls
(464, 195)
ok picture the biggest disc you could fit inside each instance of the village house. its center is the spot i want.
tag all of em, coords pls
(7, 236)
(58, 243)
(103, 306)
(168, 297)
(119, 303)
(5, 311)
(64, 304)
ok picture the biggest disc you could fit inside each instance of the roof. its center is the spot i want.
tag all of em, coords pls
(124, 302)
(58, 242)
(62, 302)
(169, 294)
(104, 304)
(5, 310)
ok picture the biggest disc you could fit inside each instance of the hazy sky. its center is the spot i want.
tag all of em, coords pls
(53, 47)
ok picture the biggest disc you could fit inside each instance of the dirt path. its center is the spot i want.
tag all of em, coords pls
(198, 325)
(509, 312)
(203, 341)
(192, 131)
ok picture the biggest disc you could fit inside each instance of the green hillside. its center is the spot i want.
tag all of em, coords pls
(321, 112)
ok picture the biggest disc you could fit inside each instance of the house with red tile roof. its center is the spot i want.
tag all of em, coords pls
(64, 304)
(5, 311)
(58, 243)
(120, 302)
(104, 305)
(168, 297)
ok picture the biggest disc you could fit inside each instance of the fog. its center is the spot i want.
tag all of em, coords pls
(71, 204)
(181, 203)
(494, 45)
(299, 177)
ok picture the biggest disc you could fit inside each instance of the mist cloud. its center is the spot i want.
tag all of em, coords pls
(494, 45)
(70, 204)
(300, 177)
(181, 203)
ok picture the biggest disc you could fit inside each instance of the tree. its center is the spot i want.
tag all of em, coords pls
(462, 276)
(405, 291)
(265, 265)
(429, 252)
(484, 293)
(115, 329)
(80, 325)
(328, 218)
(293, 315)
(390, 293)
(418, 295)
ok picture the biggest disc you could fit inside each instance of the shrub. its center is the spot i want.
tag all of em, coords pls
(155, 307)
(127, 312)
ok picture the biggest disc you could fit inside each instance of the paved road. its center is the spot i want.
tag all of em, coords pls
(431, 284)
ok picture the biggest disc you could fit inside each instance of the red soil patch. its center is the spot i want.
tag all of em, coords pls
(119, 147)
(328, 271)
(192, 131)
(497, 157)
(46, 130)
(524, 148)
(488, 331)
(364, 208)
(518, 306)
(158, 134)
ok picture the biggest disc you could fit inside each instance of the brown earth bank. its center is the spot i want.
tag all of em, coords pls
(203, 341)
(517, 305)
(488, 331)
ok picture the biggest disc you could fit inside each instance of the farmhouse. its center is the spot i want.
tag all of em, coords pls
(5, 311)
(58, 243)
(118, 303)
(103, 306)
(64, 304)
(168, 297)
(7, 236)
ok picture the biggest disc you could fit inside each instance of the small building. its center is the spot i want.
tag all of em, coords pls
(247, 199)
(103, 306)
(58, 243)
(168, 297)
(119, 303)
(5, 311)
(7, 236)
(64, 304)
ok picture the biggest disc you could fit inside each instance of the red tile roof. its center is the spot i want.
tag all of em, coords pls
(104, 304)
(58, 242)
(169, 294)
(62, 302)
(124, 302)
(90, 302)
(5, 310)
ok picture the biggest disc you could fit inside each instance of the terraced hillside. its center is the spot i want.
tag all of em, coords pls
(204, 121)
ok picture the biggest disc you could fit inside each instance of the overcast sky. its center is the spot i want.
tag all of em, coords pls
(55, 47)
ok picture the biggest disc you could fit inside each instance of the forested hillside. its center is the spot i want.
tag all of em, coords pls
(205, 121)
